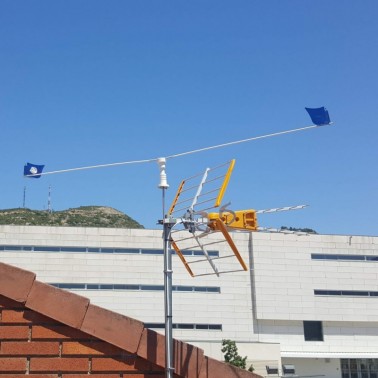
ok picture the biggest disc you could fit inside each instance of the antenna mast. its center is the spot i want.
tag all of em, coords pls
(167, 227)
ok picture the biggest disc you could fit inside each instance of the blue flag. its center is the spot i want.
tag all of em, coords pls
(319, 116)
(33, 170)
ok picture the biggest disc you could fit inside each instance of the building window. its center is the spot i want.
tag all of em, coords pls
(340, 257)
(346, 293)
(94, 286)
(215, 327)
(148, 251)
(355, 368)
(313, 330)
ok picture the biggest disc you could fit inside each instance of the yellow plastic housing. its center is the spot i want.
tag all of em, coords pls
(241, 219)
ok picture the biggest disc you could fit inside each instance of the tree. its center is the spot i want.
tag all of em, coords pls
(231, 355)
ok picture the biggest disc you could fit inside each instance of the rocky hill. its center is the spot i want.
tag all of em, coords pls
(83, 216)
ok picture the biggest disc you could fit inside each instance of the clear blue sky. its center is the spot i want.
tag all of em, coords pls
(85, 82)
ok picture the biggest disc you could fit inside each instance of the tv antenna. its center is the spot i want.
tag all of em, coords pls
(200, 222)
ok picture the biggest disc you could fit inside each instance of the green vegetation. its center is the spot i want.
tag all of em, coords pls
(231, 355)
(306, 230)
(83, 216)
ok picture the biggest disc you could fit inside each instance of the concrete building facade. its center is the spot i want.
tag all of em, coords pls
(308, 302)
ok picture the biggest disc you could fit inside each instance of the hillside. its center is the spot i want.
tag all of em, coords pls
(83, 216)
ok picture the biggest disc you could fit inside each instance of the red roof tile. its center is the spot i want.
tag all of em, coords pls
(75, 311)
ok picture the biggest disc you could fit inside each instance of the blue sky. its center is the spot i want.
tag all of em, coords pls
(88, 82)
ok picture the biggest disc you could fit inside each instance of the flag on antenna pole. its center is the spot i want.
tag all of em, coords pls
(33, 170)
(319, 116)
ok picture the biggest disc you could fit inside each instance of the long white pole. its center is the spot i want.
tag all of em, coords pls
(176, 155)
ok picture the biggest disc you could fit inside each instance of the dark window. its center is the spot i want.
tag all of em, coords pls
(213, 289)
(313, 330)
(215, 326)
(202, 326)
(107, 250)
(126, 287)
(347, 293)
(200, 288)
(71, 286)
(13, 248)
(327, 292)
(372, 258)
(92, 286)
(126, 250)
(354, 293)
(73, 249)
(184, 288)
(106, 287)
(154, 325)
(47, 249)
(352, 257)
(322, 256)
(185, 326)
(152, 287)
(152, 252)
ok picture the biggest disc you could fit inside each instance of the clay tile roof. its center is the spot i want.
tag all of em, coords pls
(77, 312)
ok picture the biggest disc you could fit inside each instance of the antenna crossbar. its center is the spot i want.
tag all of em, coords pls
(202, 246)
(221, 272)
(212, 258)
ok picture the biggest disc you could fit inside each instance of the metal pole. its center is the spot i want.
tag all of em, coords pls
(24, 201)
(167, 227)
(169, 369)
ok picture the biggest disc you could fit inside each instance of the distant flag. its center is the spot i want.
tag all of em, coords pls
(33, 170)
(319, 116)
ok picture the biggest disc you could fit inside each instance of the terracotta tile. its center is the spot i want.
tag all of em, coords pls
(214, 369)
(9, 303)
(58, 304)
(114, 328)
(15, 283)
(188, 359)
(152, 347)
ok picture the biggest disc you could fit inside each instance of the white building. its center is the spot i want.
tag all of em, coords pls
(309, 301)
